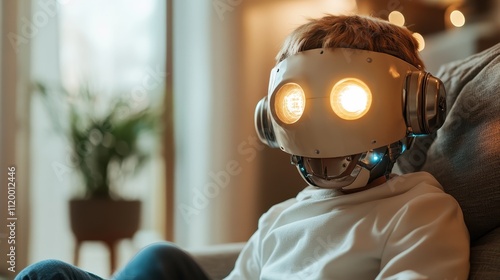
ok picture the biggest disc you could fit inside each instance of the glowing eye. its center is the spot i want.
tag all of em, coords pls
(350, 99)
(290, 103)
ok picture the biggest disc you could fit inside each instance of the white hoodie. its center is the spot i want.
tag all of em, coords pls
(406, 228)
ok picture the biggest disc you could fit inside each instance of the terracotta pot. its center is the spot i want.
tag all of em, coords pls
(104, 219)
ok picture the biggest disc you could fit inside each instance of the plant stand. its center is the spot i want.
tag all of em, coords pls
(103, 220)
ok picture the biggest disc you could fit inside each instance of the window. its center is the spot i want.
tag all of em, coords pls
(118, 48)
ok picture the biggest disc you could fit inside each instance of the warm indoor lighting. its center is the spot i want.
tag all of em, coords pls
(457, 18)
(350, 99)
(397, 18)
(420, 40)
(290, 103)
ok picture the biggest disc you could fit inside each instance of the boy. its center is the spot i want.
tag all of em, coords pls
(355, 220)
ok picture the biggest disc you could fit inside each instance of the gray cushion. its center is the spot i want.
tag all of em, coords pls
(464, 155)
(484, 257)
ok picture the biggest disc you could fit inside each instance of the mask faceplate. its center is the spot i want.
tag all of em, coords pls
(335, 102)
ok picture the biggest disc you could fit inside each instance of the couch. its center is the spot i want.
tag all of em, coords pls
(464, 155)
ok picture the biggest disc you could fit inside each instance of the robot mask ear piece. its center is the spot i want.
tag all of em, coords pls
(263, 124)
(435, 104)
(425, 103)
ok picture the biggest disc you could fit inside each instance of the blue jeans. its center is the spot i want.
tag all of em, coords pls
(155, 262)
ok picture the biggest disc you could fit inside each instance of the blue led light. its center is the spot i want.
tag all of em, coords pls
(375, 158)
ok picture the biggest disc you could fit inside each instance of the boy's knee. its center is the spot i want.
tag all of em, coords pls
(162, 250)
(160, 261)
(46, 269)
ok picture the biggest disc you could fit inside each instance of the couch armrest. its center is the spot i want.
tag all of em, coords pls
(217, 260)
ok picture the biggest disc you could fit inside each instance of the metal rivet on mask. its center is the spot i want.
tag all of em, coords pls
(316, 152)
(369, 60)
(374, 141)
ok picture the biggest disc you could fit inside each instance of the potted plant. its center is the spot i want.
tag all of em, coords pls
(105, 146)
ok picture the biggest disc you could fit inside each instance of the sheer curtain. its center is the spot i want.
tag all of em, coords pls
(223, 52)
(214, 198)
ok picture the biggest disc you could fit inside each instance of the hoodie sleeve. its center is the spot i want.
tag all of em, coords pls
(429, 241)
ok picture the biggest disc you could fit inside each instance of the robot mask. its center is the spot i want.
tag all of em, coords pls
(344, 114)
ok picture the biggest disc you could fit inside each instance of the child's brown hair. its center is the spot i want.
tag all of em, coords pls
(356, 32)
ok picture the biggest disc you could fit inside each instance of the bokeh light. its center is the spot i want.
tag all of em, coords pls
(397, 18)
(457, 18)
(421, 41)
